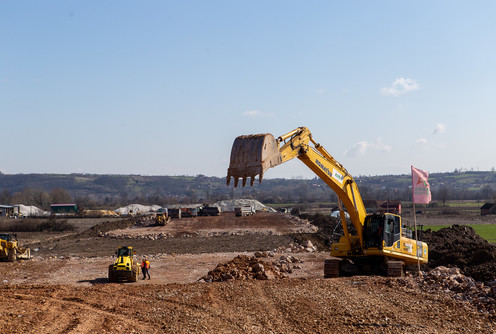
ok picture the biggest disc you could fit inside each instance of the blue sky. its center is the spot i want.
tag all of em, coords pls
(164, 87)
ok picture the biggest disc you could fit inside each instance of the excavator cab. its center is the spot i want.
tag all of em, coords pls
(381, 230)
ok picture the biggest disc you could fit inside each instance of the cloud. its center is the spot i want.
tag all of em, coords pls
(422, 141)
(358, 149)
(400, 86)
(362, 147)
(252, 113)
(256, 113)
(440, 128)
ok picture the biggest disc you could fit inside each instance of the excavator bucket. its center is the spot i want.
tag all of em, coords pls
(252, 155)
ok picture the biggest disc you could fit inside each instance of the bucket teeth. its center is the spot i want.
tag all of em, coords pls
(252, 155)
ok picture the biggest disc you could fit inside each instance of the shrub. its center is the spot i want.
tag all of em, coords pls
(450, 211)
(35, 225)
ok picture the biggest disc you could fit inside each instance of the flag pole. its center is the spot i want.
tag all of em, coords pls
(416, 237)
(415, 224)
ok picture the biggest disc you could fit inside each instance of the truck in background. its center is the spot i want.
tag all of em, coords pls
(244, 211)
(208, 210)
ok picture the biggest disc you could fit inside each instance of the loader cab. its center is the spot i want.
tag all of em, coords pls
(8, 237)
(125, 251)
(381, 230)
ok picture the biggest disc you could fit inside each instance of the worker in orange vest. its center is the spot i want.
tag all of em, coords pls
(145, 267)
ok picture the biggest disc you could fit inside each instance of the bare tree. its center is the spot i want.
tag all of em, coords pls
(40, 199)
(443, 194)
(5, 197)
(60, 195)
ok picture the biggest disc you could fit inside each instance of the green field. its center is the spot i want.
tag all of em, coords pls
(488, 231)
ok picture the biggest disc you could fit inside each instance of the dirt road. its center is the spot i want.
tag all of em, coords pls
(349, 305)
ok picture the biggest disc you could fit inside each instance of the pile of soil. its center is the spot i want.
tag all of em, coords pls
(243, 267)
(459, 246)
(329, 230)
(106, 226)
(460, 287)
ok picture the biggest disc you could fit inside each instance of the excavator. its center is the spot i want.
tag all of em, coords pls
(376, 244)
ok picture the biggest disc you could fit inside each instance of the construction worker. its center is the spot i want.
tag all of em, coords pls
(145, 267)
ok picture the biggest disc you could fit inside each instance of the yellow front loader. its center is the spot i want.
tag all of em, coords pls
(379, 244)
(10, 250)
(125, 266)
(161, 219)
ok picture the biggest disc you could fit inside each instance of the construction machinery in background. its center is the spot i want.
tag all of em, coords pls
(209, 210)
(161, 219)
(125, 267)
(244, 211)
(189, 212)
(10, 250)
(377, 243)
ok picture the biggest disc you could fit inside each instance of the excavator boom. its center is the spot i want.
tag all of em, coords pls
(252, 155)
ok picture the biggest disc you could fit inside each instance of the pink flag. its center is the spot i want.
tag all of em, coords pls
(421, 188)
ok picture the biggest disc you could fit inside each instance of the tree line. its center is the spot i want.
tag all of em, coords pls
(111, 191)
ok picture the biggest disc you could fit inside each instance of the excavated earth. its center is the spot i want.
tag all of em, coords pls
(459, 246)
(259, 274)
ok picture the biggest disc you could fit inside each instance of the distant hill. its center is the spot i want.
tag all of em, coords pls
(124, 189)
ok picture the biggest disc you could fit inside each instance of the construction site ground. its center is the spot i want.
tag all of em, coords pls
(65, 289)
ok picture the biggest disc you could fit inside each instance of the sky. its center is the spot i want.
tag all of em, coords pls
(164, 87)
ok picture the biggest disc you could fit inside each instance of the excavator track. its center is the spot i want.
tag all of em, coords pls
(331, 268)
(394, 269)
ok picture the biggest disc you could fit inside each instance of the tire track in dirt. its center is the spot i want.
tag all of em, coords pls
(62, 311)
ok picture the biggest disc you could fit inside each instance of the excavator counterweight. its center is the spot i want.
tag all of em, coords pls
(252, 155)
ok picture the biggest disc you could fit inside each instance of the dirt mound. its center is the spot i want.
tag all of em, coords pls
(106, 226)
(329, 230)
(459, 246)
(137, 208)
(460, 287)
(243, 267)
(230, 204)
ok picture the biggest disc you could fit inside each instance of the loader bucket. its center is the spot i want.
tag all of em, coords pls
(252, 155)
(23, 254)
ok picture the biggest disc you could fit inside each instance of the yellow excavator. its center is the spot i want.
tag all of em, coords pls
(377, 243)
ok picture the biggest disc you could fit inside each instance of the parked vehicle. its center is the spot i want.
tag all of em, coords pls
(244, 211)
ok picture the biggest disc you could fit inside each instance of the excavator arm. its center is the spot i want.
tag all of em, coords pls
(253, 155)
